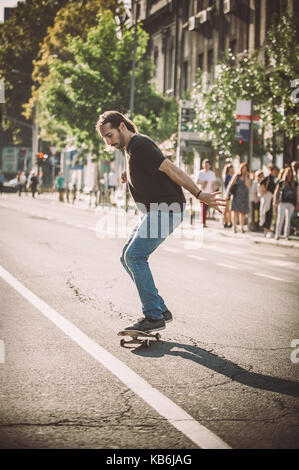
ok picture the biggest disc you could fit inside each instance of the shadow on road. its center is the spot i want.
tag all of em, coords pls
(221, 366)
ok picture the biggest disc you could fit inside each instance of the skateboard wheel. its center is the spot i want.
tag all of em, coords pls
(158, 336)
(122, 342)
(147, 343)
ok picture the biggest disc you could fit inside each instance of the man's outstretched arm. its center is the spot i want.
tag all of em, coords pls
(182, 179)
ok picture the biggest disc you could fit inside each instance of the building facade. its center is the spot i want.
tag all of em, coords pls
(186, 35)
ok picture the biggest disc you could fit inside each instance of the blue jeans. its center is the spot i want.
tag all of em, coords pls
(149, 233)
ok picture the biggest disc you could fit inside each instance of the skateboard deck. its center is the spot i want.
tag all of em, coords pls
(138, 337)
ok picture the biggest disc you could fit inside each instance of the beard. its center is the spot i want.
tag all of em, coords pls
(121, 144)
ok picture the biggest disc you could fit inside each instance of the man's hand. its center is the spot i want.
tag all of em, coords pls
(210, 199)
(124, 177)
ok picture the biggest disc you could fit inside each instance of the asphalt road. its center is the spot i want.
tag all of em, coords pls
(225, 360)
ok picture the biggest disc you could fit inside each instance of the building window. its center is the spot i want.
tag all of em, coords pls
(156, 57)
(257, 24)
(200, 61)
(210, 65)
(200, 5)
(186, 9)
(185, 75)
(233, 46)
(170, 67)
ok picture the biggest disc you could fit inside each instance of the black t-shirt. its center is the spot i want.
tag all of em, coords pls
(271, 185)
(288, 192)
(147, 184)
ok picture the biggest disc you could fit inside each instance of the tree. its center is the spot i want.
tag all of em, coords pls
(269, 86)
(20, 36)
(97, 78)
(216, 106)
(282, 52)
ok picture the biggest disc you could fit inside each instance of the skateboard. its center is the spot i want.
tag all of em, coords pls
(138, 337)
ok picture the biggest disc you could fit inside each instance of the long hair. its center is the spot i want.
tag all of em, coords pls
(241, 168)
(226, 169)
(284, 177)
(115, 118)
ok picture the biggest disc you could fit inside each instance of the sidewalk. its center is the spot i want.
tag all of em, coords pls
(254, 237)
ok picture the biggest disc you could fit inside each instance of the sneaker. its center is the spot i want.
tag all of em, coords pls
(146, 325)
(167, 316)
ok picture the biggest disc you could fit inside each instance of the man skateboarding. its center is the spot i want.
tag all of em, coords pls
(156, 185)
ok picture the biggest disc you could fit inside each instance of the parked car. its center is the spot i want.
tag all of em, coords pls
(11, 186)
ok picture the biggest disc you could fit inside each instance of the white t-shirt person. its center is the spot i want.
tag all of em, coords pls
(207, 178)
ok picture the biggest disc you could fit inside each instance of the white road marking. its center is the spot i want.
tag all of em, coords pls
(283, 264)
(269, 277)
(227, 265)
(220, 249)
(171, 250)
(199, 258)
(175, 415)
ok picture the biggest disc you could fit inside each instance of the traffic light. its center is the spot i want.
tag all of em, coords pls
(39, 158)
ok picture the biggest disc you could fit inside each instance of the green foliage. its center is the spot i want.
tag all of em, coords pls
(282, 52)
(249, 79)
(96, 78)
(21, 36)
(216, 106)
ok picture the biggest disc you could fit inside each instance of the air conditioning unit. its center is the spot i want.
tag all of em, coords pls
(229, 6)
(193, 23)
(202, 16)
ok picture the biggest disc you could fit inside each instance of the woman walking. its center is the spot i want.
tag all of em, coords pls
(239, 188)
(286, 199)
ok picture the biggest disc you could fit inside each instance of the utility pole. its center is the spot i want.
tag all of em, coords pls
(251, 136)
(34, 134)
(176, 48)
(132, 89)
(34, 123)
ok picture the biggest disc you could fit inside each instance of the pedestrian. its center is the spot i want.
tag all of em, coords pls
(33, 184)
(227, 174)
(156, 185)
(255, 200)
(207, 180)
(239, 189)
(60, 186)
(21, 181)
(286, 199)
(2, 179)
(267, 188)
